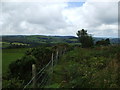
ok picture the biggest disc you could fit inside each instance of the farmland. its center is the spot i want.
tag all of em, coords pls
(15, 46)
(36, 40)
(77, 66)
(10, 55)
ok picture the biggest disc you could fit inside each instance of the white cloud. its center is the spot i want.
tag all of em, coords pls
(100, 19)
(93, 15)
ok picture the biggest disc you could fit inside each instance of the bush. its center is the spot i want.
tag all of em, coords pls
(22, 68)
(88, 68)
(12, 83)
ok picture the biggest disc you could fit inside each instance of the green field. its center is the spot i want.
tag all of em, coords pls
(4, 44)
(9, 55)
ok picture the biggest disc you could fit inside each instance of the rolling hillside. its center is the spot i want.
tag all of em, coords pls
(34, 40)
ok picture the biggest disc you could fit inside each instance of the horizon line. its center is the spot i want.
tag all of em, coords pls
(59, 35)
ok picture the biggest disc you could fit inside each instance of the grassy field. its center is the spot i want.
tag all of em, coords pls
(9, 55)
(4, 44)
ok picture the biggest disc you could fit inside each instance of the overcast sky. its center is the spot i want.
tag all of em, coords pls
(59, 18)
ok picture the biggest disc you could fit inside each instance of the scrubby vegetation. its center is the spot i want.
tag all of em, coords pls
(78, 68)
(20, 69)
(88, 68)
(83, 64)
(10, 55)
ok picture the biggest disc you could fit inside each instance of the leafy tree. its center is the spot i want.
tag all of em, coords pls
(85, 39)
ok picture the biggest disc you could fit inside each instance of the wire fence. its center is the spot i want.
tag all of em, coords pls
(43, 75)
(39, 74)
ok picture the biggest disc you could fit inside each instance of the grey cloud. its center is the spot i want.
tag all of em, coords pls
(93, 15)
(39, 17)
(56, 19)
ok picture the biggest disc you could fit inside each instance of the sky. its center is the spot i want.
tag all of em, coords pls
(100, 19)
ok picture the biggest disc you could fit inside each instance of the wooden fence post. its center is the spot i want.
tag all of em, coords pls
(56, 56)
(34, 75)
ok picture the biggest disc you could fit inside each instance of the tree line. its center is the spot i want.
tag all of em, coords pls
(87, 40)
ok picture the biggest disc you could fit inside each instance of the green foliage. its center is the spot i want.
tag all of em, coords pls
(53, 86)
(88, 68)
(10, 55)
(22, 68)
(12, 83)
(103, 42)
(79, 68)
(85, 39)
(41, 55)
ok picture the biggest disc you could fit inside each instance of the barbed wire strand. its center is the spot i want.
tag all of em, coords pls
(41, 71)
(36, 75)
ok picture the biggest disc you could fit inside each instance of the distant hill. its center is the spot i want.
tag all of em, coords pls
(39, 39)
(42, 39)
